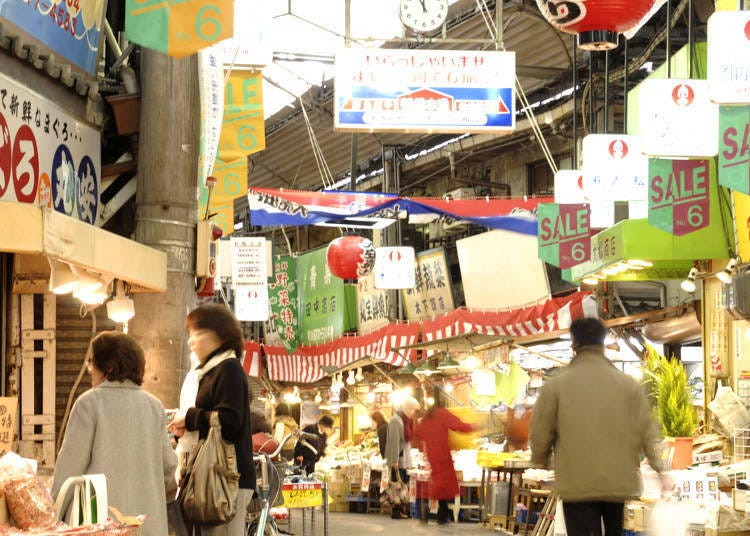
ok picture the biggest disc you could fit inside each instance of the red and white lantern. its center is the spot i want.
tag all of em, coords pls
(596, 22)
(351, 257)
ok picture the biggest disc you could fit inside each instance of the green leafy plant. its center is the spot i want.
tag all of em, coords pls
(666, 384)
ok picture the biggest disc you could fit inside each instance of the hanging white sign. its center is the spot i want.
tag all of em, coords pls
(394, 267)
(614, 169)
(678, 119)
(729, 57)
(250, 278)
(569, 191)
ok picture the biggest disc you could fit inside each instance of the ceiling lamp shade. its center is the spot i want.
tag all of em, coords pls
(120, 308)
(87, 283)
(350, 257)
(596, 22)
(406, 369)
(62, 279)
(448, 363)
(427, 369)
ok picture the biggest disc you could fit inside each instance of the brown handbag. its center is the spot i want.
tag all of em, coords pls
(211, 483)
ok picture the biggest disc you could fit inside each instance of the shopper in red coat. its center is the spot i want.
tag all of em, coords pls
(433, 430)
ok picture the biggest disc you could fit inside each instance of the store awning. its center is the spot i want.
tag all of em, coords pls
(33, 230)
(633, 250)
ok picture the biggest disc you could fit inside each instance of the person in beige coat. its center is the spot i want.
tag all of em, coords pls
(598, 424)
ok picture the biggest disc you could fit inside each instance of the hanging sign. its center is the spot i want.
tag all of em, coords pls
(178, 29)
(372, 305)
(282, 293)
(48, 157)
(8, 406)
(250, 46)
(432, 295)
(614, 169)
(734, 148)
(679, 194)
(569, 191)
(564, 234)
(249, 278)
(676, 115)
(729, 57)
(211, 90)
(243, 126)
(394, 267)
(71, 29)
(324, 311)
(431, 91)
(231, 182)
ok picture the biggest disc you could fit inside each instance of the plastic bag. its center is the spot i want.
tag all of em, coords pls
(560, 519)
(30, 503)
(667, 519)
(14, 467)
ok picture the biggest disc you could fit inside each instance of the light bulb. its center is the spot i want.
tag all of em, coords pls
(448, 387)
(688, 285)
(359, 376)
(726, 275)
(350, 380)
(318, 399)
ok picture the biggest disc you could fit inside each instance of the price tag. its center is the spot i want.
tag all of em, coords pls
(366, 470)
(384, 479)
(303, 495)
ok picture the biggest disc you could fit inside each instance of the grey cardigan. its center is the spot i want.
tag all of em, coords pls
(395, 442)
(118, 429)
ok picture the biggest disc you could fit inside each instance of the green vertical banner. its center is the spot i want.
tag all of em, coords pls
(734, 148)
(327, 307)
(282, 296)
(679, 194)
(563, 232)
(178, 28)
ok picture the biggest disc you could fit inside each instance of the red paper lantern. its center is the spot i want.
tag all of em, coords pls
(351, 257)
(597, 22)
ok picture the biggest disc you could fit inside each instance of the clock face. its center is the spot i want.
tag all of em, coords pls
(423, 15)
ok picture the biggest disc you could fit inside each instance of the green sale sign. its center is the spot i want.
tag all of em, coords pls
(734, 148)
(679, 194)
(563, 233)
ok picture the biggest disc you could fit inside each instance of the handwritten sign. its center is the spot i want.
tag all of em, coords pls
(8, 406)
(679, 194)
(303, 495)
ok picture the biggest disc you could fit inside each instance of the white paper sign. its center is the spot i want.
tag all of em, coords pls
(729, 57)
(614, 169)
(569, 191)
(251, 303)
(677, 119)
(249, 278)
(394, 267)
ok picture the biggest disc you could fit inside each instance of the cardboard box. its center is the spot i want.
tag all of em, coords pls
(635, 516)
(715, 456)
(4, 514)
(740, 499)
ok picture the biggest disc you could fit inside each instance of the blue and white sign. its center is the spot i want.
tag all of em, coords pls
(48, 157)
(394, 267)
(729, 57)
(432, 91)
(69, 28)
(614, 169)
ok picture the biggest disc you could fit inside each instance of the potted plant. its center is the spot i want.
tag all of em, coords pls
(666, 382)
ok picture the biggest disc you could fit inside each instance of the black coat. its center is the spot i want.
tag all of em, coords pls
(309, 458)
(224, 389)
(382, 438)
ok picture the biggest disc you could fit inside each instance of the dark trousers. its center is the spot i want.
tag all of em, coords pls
(585, 518)
(443, 513)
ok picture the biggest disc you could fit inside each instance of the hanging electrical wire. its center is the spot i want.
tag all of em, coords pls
(326, 176)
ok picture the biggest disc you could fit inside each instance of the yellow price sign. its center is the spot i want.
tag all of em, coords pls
(303, 495)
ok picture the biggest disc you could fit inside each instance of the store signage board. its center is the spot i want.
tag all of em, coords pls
(676, 115)
(303, 495)
(564, 234)
(249, 278)
(432, 295)
(243, 127)
(734, 148)
(614, 169)
(211, 95)
(372, 305)
(741, 204)
(8, 406)
(394, 267)
(178, 29)
(323, 300)
(729, 57)
(485, 257)
(569, 190)
(71, 29)
(680, 194)
(50, 158)
(430, 91)
(282, 296)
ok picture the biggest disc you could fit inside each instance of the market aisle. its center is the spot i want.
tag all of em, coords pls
(345, 524)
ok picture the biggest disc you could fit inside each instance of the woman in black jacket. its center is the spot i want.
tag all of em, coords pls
(215, 337)
(381, 427)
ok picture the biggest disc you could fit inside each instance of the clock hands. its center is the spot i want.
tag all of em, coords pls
(424, 8)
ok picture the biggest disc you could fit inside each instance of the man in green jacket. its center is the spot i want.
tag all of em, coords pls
(598, 423)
